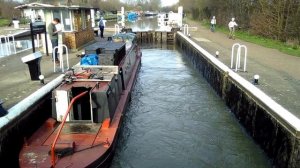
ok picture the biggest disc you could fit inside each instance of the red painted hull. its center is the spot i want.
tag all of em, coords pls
(92, 149)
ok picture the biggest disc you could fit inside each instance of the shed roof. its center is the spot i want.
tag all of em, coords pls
(49, 6)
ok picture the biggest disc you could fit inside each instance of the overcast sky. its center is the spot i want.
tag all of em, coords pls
(165, 2)
(168, 2)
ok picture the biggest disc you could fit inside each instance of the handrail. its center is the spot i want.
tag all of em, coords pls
(60, 48)
(117, 29)
(62, 125)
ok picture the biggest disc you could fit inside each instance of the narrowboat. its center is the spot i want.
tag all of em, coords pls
(87, 109)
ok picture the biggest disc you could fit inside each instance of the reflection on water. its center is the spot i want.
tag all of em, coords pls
(176, 120)
(143, 24)
(10, 48)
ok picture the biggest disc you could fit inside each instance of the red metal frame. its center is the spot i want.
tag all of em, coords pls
(61, 127)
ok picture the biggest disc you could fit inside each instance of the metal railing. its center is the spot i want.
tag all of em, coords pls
(238, 56)
(53, 158)
(117, 29)
(6, 46)
(60, 49)
(13, 41)
(186, 29)
(3, 45)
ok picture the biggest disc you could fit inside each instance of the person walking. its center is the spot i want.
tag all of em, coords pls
(53, 31)
(101, 26)
(213, 23)
(231, 25)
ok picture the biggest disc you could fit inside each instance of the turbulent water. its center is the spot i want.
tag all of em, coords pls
(176, 120)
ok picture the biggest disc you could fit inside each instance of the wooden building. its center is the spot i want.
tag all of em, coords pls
(76, 20)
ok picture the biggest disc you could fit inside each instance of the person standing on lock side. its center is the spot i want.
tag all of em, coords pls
(101, 26)
(53, 33)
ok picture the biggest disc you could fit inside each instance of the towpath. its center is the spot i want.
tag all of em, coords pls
(15, 83)
(279, 73)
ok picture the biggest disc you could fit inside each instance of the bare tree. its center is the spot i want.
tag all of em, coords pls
(277, 19)
(7, 9)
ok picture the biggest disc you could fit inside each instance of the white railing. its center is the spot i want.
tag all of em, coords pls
(238, 56)
(60, 49)
(3, 45)
(38, 45)
(13, 41)
(186, 29)
(6, 46)
(117, 29)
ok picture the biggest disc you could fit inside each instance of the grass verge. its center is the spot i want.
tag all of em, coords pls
(266, 42)
(4, 22)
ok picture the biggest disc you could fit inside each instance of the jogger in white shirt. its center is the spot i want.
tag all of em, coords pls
(213, 23)
(231, 25)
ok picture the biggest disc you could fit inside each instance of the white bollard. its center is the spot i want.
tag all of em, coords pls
(16, 24)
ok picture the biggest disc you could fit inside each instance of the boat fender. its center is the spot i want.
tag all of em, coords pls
(107, 142)
(3, 112)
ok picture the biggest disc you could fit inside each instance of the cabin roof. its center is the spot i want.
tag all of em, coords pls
(49, 6)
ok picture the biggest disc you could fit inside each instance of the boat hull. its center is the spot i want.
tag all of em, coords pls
(105, 160)
(99, 155)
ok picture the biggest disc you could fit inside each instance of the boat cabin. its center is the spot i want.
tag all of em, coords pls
(104, 87)
(104, 83)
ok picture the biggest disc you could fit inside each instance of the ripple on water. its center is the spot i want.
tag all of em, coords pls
(176, 120)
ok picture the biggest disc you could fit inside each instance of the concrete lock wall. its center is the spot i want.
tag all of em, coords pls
(22, 121)
(15, 133)
(274, 128)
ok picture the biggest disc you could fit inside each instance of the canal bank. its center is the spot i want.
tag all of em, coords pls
(274, 128)
(279, 72)
(176, 120)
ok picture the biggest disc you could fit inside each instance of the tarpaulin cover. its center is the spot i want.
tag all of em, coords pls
(89, 59)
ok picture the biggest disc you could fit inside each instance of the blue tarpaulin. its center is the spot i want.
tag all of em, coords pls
(89, 59)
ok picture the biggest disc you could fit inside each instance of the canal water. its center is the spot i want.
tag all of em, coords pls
(176, 120)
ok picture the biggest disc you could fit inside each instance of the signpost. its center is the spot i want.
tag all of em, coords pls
(38, 28)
